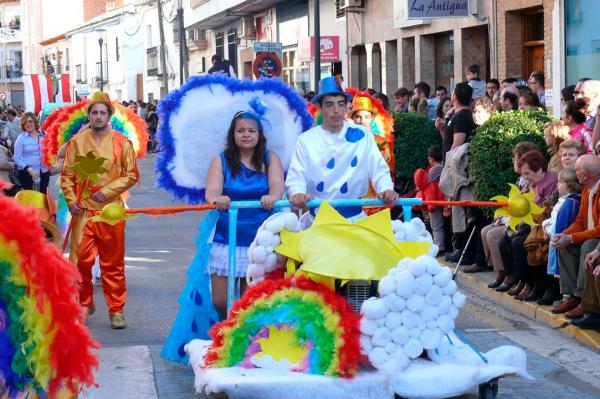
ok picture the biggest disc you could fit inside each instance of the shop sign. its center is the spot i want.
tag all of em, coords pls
(422, 9)
(330, 48)
(268, 47)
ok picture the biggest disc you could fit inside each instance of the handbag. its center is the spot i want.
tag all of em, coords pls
(537, 243)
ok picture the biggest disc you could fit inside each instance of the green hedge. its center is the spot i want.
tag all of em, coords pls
(490, 162)
(414, 135)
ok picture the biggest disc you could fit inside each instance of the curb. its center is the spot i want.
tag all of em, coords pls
(478, 282)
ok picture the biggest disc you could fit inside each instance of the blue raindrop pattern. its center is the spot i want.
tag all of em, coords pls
(354, 135)
(354, 162)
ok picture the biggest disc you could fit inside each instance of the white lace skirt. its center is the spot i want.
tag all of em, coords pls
(218, 260)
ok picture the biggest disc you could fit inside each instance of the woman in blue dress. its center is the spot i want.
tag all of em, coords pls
(245, 170)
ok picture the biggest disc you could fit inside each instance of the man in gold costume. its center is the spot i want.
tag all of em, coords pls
(86, 198)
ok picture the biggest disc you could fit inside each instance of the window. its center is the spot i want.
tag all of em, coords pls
(582, 58)
(232, 47)
(152, 65)
(148, 36)
(117, 52)
(67, 59)
(104, 71)
(219, 44)
(78, 75)
(295, 72)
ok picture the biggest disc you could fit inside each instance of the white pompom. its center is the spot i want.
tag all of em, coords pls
(390, 347)
(421, 325)
(264, 238)
(290, 220)
(429, 313)
(417, 268)
(409, 319)
(404, 264)
(400, 335)
(400, 358)
(458, 299)
(433, 267)
(270, 263)
(269, 250)
(445, 304)
(410, 232)
(413, 348)
(276, 224)
(394, 303)
(399, 236)
(378, 357)
(431, 338)
(367, 326)
(387, 285)
(275, 241)
(443, 277)
(450, 288)
(433, 250)
(416, 303)
(414, 332)
(397, 225)
(259, 255)
(381, 337)
(431, 325)
(255, 270)
(390, 367)
(365, 344)
(434, 296)
(380, 322)
(374, 308)
(405, 284)
(393, 320)
(453, 312)
(446, 324)
(426, 239)
(419, 226)
(423, 284)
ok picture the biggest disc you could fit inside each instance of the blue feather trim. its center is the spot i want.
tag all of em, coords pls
(170, 106)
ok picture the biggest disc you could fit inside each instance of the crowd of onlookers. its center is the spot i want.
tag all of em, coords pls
(21, 161)
(554, 259)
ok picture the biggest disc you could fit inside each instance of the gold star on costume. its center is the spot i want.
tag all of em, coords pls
(521, 207)
(89, 167)
(112, 214)
(335, 248)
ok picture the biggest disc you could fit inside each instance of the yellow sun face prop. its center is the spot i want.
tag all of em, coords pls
(335, 248)
(112, 214)
(281, 349)
(521, 207)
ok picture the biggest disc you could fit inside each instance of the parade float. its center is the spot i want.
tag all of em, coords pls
(45, 349)
(301, 330)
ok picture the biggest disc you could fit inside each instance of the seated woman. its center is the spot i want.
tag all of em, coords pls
(492, 233)
(555, 133)
(245, 170)
(519, 275)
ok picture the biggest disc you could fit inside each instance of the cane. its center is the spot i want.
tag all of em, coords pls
(463, 253)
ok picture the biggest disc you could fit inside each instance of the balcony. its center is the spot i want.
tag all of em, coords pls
(197, 45)
(8, 35)
(152, 64)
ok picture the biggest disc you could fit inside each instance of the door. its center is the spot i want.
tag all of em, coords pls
(533, 42)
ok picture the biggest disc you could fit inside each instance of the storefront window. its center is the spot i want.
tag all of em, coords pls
(582, 40)
(295, 72)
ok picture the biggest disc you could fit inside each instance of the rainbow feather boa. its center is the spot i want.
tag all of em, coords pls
(65, 122)
(45, 348)
(324, 324)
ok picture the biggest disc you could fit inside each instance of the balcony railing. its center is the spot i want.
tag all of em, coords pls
(10, 35)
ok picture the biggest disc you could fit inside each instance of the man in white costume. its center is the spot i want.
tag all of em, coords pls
(337, 159)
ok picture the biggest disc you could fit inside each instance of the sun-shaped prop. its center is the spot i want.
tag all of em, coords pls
(89, 167)
(112, 214)
(521, 207)
(335, 248)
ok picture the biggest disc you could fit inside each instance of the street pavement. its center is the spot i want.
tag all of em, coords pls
(159, 250)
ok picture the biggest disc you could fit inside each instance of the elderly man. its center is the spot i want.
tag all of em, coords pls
(579, 239)
(589, 89)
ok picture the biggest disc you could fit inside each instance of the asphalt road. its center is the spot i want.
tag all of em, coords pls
(159, 250)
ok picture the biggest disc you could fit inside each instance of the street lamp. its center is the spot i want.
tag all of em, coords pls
(9, 64)
(100, 32)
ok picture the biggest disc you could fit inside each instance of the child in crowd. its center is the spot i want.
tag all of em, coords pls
(427, 181)
(563, 214)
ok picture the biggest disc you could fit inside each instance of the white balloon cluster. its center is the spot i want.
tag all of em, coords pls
(418, 303)
(260, 254)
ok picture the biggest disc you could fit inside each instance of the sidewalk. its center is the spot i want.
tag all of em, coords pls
(478, 282)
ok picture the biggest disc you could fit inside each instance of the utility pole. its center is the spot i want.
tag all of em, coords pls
(317, 42)
(163, 59)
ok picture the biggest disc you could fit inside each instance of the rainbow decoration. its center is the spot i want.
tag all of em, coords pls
(294, 321)
(45, 348)
(65, 122)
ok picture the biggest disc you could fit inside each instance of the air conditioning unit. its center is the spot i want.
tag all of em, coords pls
(248, 28)
(352, 5)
